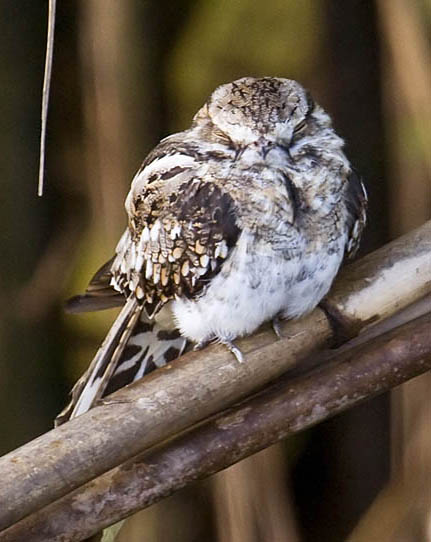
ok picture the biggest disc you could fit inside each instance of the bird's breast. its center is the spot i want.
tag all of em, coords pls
(255, 284)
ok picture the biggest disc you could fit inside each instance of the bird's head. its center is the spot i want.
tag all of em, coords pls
(268, 109)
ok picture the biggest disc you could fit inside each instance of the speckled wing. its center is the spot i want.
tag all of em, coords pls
(356, 201)
(181, 229)
(178, 238)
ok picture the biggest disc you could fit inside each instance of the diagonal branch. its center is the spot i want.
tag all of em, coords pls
(201, 384)
(289, 406)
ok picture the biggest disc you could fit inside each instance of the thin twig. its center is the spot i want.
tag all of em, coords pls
(45, 91)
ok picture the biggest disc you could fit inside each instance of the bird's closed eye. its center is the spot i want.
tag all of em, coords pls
(300, 126)
(223, 136)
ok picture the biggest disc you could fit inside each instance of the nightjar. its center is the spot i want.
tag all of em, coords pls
(244, 217)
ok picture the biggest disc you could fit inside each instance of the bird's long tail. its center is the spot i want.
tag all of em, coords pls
(133, 347)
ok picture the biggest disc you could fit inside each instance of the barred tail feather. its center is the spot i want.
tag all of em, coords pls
(133, 347)
(151, 345)
(92, 384)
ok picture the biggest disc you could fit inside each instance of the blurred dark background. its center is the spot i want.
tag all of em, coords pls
(127, 73)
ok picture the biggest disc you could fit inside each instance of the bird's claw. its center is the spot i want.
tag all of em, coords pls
(201, 344)
(229, 345)
(276, 326)
(234, 349)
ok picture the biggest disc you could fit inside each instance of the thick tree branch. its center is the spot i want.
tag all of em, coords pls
(286, 407)
(201, 384)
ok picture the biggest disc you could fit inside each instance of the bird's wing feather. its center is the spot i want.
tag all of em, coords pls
(356, 200)
(99, 294)
(180, 233)
(181, 229)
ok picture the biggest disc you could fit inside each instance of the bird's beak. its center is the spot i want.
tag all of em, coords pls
(290, 162)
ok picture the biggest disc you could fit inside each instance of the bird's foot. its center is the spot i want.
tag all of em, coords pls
(201, 344)
(226, 342)
(276, 326)
(232, 348)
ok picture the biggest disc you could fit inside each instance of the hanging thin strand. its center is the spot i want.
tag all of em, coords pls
(45, 91)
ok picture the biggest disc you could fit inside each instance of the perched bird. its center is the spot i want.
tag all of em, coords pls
(243, 218)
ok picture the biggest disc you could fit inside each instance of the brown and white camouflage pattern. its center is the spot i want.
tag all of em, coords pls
(243, 218)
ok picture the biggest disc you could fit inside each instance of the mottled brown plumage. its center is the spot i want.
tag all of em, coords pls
(242, 218)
